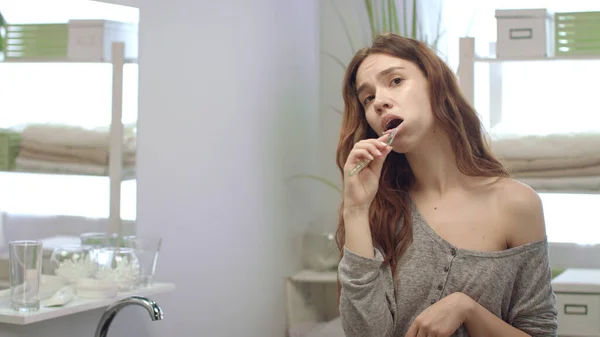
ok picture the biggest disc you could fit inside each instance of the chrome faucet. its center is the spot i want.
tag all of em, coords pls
(154, 310)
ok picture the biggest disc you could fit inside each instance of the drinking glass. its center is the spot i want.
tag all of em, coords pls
(146, 249)
(25, 260)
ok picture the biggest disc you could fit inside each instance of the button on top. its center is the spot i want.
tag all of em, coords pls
(453, 251)
(440, 287)
(446, 268)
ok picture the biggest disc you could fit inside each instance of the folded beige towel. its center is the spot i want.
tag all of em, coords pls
(62, 153)
(41, 166)
(67, 135)
(561, 173)
(551, 164)
(33, 165)
(562, 185)
(556, 145)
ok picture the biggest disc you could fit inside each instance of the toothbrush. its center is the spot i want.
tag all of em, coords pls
(366, 162)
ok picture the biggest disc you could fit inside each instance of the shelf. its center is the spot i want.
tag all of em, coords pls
(572, 185)
(533, 59)
(126, 176)
(7, 315)
(58, 60)
(310, 276)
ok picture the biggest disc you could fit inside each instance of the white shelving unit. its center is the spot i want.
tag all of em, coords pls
(116, 173)
(466, 73)
(466, 77)
(311, 297)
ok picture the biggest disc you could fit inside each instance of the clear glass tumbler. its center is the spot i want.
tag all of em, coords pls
(25, 259)
(146, 249)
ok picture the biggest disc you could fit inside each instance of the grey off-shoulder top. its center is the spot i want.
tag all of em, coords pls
(514, 284)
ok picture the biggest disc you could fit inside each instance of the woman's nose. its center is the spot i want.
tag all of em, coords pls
(382, 104)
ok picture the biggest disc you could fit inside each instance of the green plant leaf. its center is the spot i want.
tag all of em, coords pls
(437, 40)
(334, 58)
(338, 110)
(2, 25)
(394, 17)
(384, 18)
(405, 18)
(369, 7)
(344, 25)
(319, 179)
(414, 20)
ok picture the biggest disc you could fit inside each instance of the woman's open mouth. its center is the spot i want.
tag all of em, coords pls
(391, 123)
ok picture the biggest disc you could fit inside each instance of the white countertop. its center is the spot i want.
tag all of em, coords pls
(310, 276)
(9, 316)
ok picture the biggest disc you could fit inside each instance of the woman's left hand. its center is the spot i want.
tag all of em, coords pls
(443, 318)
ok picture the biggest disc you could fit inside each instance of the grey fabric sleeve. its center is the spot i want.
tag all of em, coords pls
(532, 307)
(367, 301)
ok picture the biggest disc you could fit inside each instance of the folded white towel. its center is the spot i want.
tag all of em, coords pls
(67, 135)
(556, 145)
(564, 185)
(550, 164)
(41, 166)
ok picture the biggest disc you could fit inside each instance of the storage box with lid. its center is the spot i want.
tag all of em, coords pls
(578, 302)
(91, 40)
(524, 33)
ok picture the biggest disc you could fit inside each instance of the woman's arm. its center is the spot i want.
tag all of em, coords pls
(445, 316)
(367, 302)
(532, 309)
(358, 232)
(482, 323)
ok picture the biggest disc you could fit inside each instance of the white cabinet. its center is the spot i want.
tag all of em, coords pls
(311, 297)
(578, 302)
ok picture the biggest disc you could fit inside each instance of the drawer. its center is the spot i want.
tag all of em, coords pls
(578, 314)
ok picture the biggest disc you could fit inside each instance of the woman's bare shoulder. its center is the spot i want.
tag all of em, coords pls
(521, 211)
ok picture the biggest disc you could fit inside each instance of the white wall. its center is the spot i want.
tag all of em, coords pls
(228, 109)
(228, 90)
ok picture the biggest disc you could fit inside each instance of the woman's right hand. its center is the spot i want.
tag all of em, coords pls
(360, 189)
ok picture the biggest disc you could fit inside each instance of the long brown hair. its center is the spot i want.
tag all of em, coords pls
(452, 112)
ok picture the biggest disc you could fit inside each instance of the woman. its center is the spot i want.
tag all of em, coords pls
(436, 239)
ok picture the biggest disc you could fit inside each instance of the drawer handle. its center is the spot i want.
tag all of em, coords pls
(520, 33)
(576, 309)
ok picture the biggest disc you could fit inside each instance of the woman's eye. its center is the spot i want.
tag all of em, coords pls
(396, 81)
(368, 99)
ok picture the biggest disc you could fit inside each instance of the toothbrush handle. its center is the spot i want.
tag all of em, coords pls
(359, 167)
(366, 162)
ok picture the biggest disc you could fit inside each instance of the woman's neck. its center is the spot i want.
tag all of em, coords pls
(434, 166)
